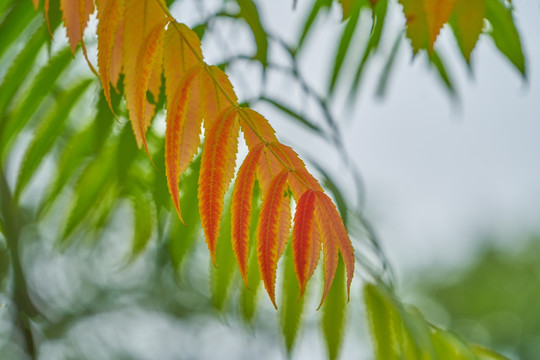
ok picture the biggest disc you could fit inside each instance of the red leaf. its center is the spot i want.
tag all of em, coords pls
(302, 237)
(256, 128)
(218, 158)
(241, 209)
(267, 233)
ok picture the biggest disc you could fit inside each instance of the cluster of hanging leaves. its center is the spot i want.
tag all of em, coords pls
(142, 41)
(424, 20)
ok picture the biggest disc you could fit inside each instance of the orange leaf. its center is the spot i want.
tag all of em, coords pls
(181, 51)
(216, 93)
(110, 15)
(316, 248)
(36, 4)
(267, 233)
(267, 169)
(437, 12)
(241, 209)
(334, 237)
(256, 128)
(75, 15)
(116, 57)
(219, 153)
(302, 237)
(147, 59)
(142, 17)
(176, 123)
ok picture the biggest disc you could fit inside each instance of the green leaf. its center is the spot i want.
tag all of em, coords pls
(13, 24)
(292, 305)
(294, 115)
(43, 85)
(20, 67)
(250, 13)
(467, 20)
(486, 354)
(92, 187)
(379, 17)
(47, 133)
(319, 4)
(182, 237)
(345, 41)
(388, 67)
(448, 346)
(380, 318)
(504, 33)
(222, 273)
(248, 296)
(334, 312)
(437, 61)
(143, 221)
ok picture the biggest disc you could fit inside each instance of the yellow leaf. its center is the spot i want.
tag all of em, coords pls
(437, 12)
(467, 22)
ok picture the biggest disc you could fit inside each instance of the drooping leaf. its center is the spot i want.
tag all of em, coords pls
(284, 225)
(180, 130)
(217, 94)
(250, 13)
(292, 303)
(181, 52)
(301, 119)
(42, 86)
(142, 17)
(47, 133)
(437, 14)
(110, 15)
(219, 152)
(380, 322)
(443, 73)
(143, 217)
(388, 67)
(267, 232)
(241, 209)
(14, 22)
(504, 33)
(334, 314)
(248, 294)
(467, 20)
(417, 23)
(302, 237)
(351, 11)
(75, 15)
(334, 238)
(315, 9)
(182, 237)
(222, 274)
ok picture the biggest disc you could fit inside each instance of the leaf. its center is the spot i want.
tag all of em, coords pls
(147, 64)
(317, 6)
(143, 216)
(217, 94)
(267, 232)
(14, 22)
(219, 152)
(334, 313)
(417, 24)
(302, 237)
(467, 20)
(284, 225)
(437, 12)
(249, 12)
(75, 14)
(388, 67)
(180, 130)
(46, 135)
(486, 354)
(443, 73)
(292, 303)
(222, 275)
(334, 237)
(110, 25)
(505, 34)
(294, 115)
(241, 209)
(142, 17)
(380, 320)
(182, 237)
(351, 10)
(248, 294)
(20, 68)
(42, 86)
(181, 52)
